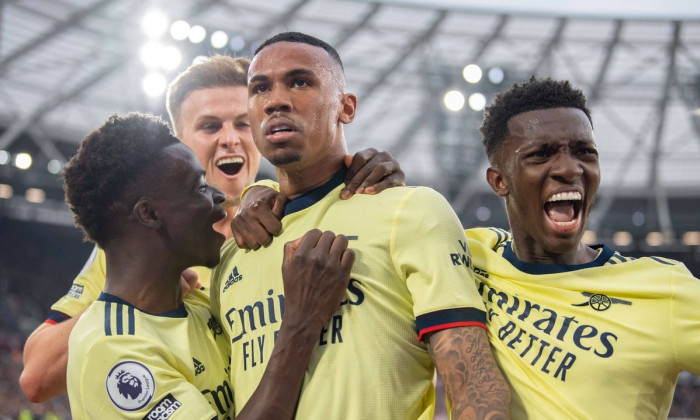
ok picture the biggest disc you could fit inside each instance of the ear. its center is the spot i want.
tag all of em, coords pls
(146, 214)
(497, 181)
(348, 108)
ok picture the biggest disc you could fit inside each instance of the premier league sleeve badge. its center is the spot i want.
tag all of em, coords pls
(130, 385)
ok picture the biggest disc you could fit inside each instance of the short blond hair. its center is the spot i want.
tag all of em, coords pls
(215, 71)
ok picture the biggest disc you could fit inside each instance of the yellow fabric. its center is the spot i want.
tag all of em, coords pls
(177, 360)
(369, 363)
(89, 283)
(604, 340)
(262, 183)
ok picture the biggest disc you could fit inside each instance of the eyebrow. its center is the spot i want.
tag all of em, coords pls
(208, 117)
(290, 73)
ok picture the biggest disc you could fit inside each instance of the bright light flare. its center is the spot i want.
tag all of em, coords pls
(23, 160)
(154, 23)
(454, 100)
(472, 73)
(496, 75)
(180, 30)
(155, 55)
(154, 84)
(237, 43)
(197, 34)
(54, 166)
(219, 39)
(477, 101)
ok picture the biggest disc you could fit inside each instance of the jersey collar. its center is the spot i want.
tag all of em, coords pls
(604, 255)
(315, 195)
(180, 312)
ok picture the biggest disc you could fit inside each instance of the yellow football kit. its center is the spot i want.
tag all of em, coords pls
(602, 340)
(126, 363)
(411, 276)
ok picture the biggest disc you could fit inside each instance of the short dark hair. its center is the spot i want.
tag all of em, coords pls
(215, 71)
(529, 96)
(303, 39)
(113, 165)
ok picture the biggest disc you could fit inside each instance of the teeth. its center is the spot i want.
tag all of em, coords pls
(224, 161)
(564, 224)
(280, 128)
(565, 196)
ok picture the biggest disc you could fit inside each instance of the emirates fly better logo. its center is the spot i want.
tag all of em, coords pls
(130, 385)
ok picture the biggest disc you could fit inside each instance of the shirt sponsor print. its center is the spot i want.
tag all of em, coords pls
(76, 291)
(130, 385)
(164, 409)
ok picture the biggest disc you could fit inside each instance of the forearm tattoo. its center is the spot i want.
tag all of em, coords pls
(473, 383)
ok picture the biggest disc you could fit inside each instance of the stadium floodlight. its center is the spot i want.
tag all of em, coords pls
(170, 58)
(454, 100)
(5, 157)
(154, 84)
(483, 213)
(154, 23)
(180, 30)
(237, 43)
(218, 39)
(477, 101)
(151, 53)
(472, 73)
(23, 160)
(197, 34)
(496, 75)
(54, 166)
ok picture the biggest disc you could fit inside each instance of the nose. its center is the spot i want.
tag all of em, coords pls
(228, 136)
(566, 168)
(278, 100)
(217, 195)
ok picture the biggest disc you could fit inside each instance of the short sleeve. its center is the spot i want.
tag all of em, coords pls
(85, 289)
(430, 249)
(131, 378)
(268, 183)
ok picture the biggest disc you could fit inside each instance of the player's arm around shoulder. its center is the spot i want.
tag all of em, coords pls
(473, 383)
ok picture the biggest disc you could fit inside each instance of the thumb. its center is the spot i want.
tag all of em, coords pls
(348, 160)
(279, 205)
(290, 248)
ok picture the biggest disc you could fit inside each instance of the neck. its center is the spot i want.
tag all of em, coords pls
(295, 181)
(530, 252)
(146, 279)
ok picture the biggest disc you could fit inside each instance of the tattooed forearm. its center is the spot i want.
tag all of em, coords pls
(473, 383)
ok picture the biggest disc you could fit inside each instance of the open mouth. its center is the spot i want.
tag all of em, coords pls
(281, 129)
(563, 209)
(230, 165)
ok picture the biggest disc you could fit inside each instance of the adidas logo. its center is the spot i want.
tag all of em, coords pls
(198, 367)
(232, 278)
